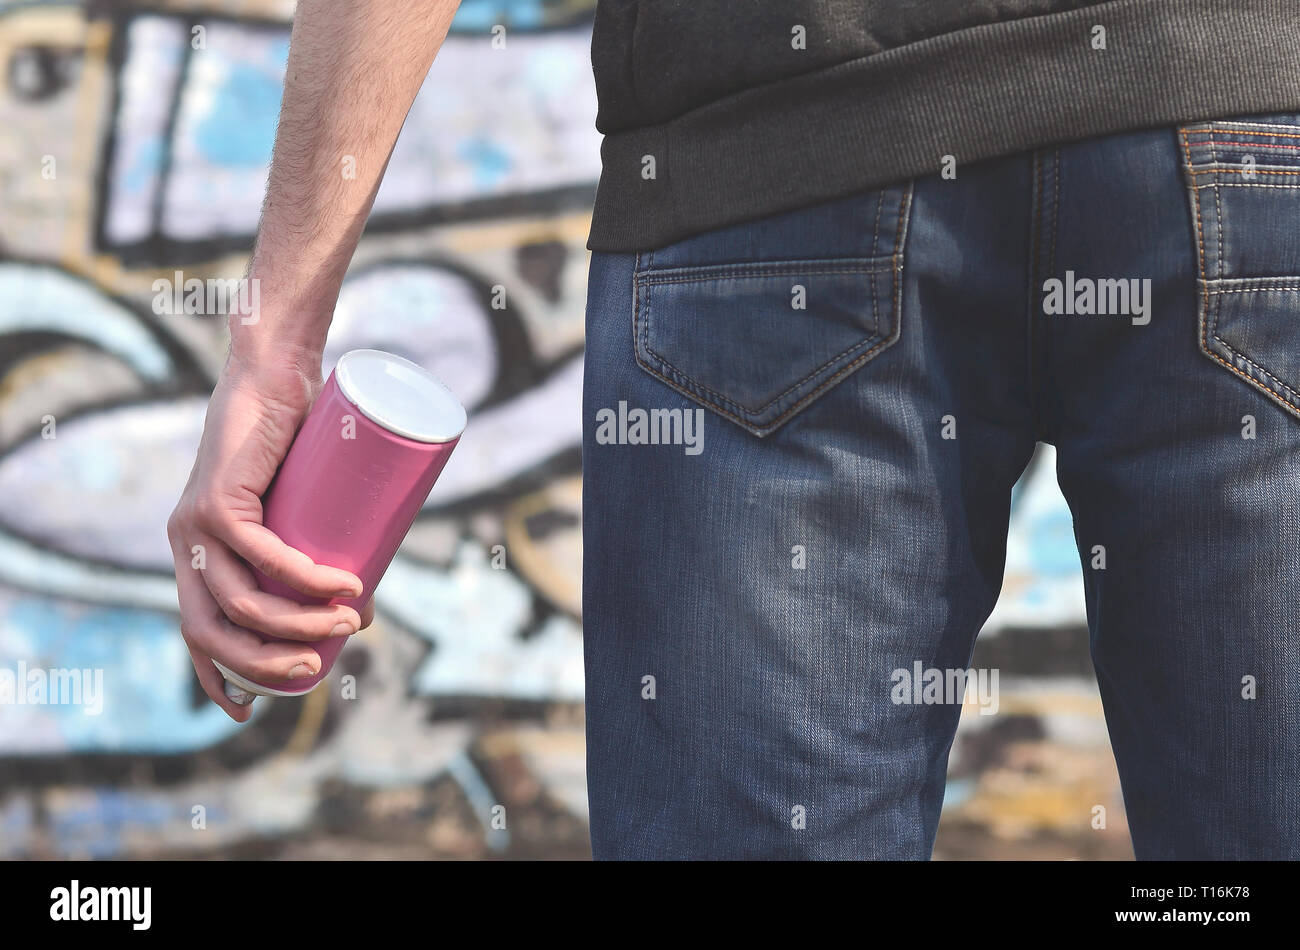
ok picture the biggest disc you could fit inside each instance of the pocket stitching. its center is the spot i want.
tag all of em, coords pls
(1216, 170)
(1209, 324)
(686, 379)
(1212, 330)
(640, 332)
(859, 265)
(1213, 127)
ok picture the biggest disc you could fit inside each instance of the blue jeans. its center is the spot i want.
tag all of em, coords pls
(801, 436)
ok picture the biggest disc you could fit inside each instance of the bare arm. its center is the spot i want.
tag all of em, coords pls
(354, 69)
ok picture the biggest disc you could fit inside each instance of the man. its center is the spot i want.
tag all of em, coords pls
(853, 260)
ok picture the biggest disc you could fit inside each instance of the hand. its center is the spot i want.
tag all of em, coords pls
(217, 525)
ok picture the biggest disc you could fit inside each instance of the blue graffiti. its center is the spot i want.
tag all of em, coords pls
(146, 679)
(239, 130)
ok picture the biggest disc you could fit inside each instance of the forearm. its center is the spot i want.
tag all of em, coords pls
(354, 69)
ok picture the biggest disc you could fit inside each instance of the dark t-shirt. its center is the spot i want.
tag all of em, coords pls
(720, 111)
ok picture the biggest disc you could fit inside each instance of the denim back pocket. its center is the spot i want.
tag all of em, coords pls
(759, 320)
(1244, 182)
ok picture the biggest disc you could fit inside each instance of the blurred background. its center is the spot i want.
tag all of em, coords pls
(135, 143)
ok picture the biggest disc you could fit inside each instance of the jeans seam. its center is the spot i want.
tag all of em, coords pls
(779, 269)
(875, 240)
(1232, 184)
(1216, 127)
(1196, 205)
(1035, 281)
(1218, 205)
(1229, 170)
(1056, 207)
(896, 301)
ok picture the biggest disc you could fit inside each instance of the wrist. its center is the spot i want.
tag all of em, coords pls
(290, 385)
(273, 361)
(292, 318)
(269, 342)
(287, 331)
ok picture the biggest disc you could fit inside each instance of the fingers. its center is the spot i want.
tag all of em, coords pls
(224, 613)
(367, 614)
(236, 593)
(209, 632)
(214, 685)
(263, 549)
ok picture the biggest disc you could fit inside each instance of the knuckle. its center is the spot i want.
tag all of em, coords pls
(207, 512)
(179, 523)
(240, 608)
(269, 563)
(270, 668)
(189, 632)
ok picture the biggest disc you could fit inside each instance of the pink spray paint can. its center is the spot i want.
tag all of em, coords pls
(356, 476)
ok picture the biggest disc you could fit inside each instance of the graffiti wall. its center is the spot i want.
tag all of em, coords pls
(136, 140)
